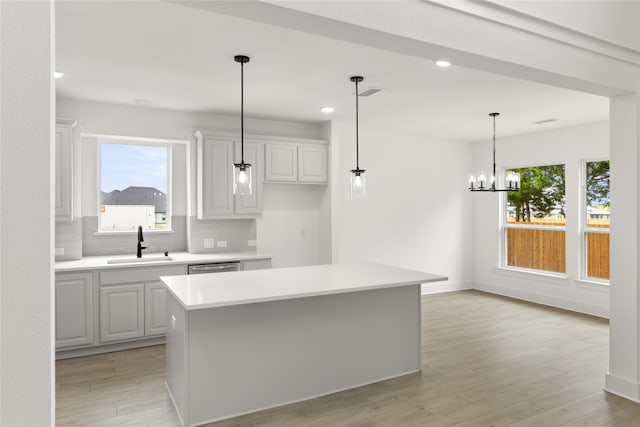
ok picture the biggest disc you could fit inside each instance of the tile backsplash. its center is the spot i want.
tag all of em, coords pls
(69, 239)
(77, 238)
(234, 233)
(109, 244)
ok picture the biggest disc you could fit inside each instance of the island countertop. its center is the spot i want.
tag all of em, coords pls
(246, 287)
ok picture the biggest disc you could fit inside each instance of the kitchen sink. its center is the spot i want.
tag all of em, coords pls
(138, 260)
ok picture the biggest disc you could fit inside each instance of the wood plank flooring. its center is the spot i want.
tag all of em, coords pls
(487, 361)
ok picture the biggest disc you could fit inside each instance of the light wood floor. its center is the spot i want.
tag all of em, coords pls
(487, 361)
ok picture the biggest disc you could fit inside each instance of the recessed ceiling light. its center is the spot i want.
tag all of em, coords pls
(58, 74)
(141, 101)
(442, 63)
(327, 110)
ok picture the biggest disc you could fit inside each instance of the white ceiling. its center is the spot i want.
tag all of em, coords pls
(182, 58)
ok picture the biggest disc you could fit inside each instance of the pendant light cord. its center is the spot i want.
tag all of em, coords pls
(242, 112)
(357, 150)
(494, 149)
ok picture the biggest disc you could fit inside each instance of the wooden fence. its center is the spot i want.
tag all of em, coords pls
(598, 255)
(536, 249)
(546, 249)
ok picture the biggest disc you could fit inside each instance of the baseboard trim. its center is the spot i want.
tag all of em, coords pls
(552, 301)
(440, 287)
(107, 348)
(622, 387)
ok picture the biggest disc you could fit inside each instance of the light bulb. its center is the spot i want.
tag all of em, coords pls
(242, 177)
(357, 181)
(482, 179)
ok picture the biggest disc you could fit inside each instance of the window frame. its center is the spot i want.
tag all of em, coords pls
(505, 225)
(584, 228)
(135, 141)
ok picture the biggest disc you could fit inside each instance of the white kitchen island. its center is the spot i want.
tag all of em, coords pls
(245, 341)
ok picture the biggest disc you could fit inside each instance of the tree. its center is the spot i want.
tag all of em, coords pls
(598, 183)
(542, 190)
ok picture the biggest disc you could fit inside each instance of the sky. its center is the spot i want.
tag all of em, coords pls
(124, 165)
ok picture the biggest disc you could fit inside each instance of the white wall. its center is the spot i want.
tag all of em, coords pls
(569, 146)
(416, 212)
(294, 206)
(26, 214)
(291, 225)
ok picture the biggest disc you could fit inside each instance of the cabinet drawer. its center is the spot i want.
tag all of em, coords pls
(131, 275)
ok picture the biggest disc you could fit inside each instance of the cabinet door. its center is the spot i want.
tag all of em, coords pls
(281, 163)
(74, 310)
(214, 178)
(251, 203)
(121, 312)
(64, 172)
(312, 163)
(155, 308)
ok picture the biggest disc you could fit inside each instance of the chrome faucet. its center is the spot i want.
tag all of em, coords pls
(140, 240)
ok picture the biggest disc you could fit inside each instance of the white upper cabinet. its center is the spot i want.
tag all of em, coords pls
(214, 184)
(65, 142)
(215, 156)
(312, 163)
(291, 162)
(272, 159)
(281, 162)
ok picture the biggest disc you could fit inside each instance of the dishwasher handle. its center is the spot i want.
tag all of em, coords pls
(213, 268)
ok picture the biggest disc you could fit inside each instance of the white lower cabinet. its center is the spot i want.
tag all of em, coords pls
(121, 312)
(74, 309)
(115, 307)
(155, 309)
(256, 264)
(133, 302)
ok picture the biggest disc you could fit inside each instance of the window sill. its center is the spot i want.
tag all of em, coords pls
(559, 279)
(132, 232)
(592, 284)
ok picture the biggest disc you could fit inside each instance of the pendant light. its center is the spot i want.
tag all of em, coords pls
(479, 182)
(242, 170)
(358, 180)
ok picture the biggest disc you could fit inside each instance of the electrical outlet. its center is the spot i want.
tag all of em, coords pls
(59, 251)
(252, 243)
(222, 243)
(209, 243)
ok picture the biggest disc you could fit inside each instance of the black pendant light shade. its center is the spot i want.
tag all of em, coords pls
(242, 170)
(479, 182)
(358, 180)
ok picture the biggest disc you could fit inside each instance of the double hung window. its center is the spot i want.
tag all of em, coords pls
(596, 212)
(534, 225)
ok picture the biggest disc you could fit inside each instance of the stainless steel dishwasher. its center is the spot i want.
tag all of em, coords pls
(213, 267)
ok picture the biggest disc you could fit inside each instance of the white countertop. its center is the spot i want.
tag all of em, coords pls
(100, 262)
(246, 287)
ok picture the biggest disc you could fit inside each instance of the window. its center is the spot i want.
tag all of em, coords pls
(597, 209)
(534, 226)
(133, 185)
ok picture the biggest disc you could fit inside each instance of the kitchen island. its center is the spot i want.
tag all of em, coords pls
(246, 341)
